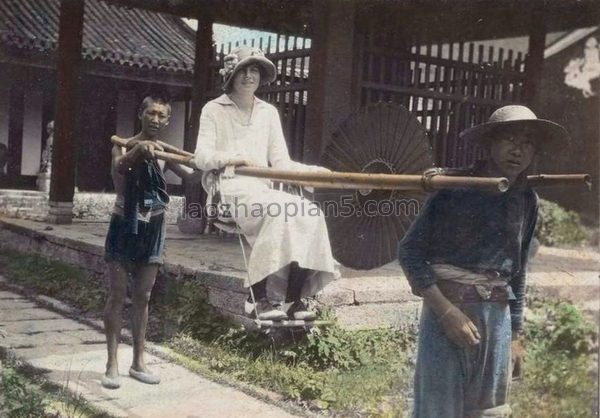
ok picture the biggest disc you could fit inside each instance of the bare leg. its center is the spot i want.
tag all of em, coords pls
(142, 288)
(113, 315)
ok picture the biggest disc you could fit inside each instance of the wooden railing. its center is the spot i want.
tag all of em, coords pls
(448, 86)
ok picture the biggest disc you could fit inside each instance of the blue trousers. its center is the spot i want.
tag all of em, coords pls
(455, 382)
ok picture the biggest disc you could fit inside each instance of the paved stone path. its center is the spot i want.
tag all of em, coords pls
(73, 354)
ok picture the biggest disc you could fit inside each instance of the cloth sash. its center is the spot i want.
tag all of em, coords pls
(484, 284)
(145, 193)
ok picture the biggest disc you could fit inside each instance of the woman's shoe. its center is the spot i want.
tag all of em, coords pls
(298, 310)
(266, 310)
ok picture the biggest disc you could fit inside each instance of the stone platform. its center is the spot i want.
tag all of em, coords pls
(361, 299)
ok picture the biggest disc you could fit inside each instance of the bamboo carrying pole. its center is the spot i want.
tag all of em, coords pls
(542, 180)
(174, 154)
(339, 180)
(174, 150)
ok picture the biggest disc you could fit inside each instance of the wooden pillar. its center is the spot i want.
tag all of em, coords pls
(202, 59)
(62, 180)
(194, 194)
(16, 114)
(534, 64)
(330, 85)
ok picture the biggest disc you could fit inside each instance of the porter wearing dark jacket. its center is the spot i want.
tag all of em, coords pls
(466, 255)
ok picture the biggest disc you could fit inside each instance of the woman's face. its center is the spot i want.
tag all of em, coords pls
(247, 79)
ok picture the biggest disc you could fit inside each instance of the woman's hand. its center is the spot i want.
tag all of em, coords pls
(243, 162)
(319, 169)
(459, 328)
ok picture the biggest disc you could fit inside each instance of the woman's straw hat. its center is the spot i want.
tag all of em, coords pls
(550, 134)
(245, 55)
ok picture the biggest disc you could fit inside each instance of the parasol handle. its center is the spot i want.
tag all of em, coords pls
(338, 180)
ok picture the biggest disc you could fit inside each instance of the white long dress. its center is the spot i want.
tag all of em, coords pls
(276, 239)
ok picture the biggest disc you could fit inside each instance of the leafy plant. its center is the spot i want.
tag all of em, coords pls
(182, 306)
(560, 327)
(557, 381)
(19, 398)
(24, 393)
(558, 226)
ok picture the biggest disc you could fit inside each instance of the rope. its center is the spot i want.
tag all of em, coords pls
(428, 175)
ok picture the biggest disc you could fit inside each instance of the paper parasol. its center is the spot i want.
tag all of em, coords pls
(379, 138)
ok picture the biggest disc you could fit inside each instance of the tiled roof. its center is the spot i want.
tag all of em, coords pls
(120, 35)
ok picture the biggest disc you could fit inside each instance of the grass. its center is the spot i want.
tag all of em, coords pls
(55, 279)
(338, 372)
(559, 379)
(24, 393)
(346, 391)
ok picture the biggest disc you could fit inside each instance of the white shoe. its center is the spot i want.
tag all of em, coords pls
(266, 311)
(298, 310)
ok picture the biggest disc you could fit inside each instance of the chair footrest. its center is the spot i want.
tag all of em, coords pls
(291, 323)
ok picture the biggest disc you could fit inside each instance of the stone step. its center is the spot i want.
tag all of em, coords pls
(12, 201)
(571, 286)
(12, 192)
(378, 315)
(20, 200)
(378, 298)
(395, 314)
(13, 209)
(96, 206)
(574, 294)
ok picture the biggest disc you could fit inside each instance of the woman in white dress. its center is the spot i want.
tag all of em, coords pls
(291, 254)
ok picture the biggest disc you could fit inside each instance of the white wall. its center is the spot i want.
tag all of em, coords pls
(174, 134)
(32, 133)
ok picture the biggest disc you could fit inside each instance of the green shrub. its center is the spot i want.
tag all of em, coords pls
(26, 393)
(557, 382)
(335, 348)
(182, 306)
(19, 398)
(558, 226)
(559, 327)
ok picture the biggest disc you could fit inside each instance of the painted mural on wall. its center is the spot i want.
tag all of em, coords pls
(581, 71)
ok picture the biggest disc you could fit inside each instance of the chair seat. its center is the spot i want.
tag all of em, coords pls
(222, 219)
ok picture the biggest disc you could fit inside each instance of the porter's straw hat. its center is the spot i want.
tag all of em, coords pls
(550, 136)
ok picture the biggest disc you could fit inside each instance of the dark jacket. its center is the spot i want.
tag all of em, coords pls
(476, 230)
